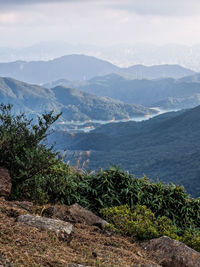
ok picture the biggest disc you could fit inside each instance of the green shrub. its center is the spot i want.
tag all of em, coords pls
(21, 149)
(38, 174)
(139, 223)
(115, 187)
(191, 237)
(61, 184)
(109, 188)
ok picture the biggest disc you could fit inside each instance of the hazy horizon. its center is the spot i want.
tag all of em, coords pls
(124, 32)
(24, 23)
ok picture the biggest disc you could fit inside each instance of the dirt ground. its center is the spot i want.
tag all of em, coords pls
(90, 246)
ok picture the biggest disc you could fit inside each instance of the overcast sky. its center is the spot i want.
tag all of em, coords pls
(103, 22)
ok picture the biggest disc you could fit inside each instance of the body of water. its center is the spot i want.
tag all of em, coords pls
(87, 126)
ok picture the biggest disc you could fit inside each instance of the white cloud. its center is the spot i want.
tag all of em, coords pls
(8, 18)
(100, 22)
(159, 7)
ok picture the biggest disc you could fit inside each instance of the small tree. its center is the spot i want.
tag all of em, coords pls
(22, 150)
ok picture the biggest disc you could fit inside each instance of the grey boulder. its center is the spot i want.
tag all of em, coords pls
(169, 252)
(63, 230)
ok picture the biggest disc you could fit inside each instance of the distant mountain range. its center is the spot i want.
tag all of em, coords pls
(74, 104)
(126, 54)
(167, 146)
(80, 67)
(193, 78)
(166, 93)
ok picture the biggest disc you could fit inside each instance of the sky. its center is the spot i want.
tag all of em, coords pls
(99, 22)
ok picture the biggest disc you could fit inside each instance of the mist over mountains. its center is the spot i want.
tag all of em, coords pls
(121, 55)
(166, 93)
(80, 67)
(74, 104)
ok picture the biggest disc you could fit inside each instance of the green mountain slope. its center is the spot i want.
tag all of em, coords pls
(164, 93)
(74, 104)
(166, 146)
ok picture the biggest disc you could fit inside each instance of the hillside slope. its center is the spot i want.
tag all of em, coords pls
(74, 104)
(143, 92)
(33, 247)
(166, 146)
(166, 93)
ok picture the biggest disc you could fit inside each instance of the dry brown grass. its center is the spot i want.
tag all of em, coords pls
(26, 246)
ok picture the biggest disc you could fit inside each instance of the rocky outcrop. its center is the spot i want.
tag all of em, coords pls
(63, 230)
(5, 183)
(74, 214)
(169, 252)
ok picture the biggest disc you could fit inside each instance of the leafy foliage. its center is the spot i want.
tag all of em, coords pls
(21, 150)
(115, 187)
(61, 184)
(135, 207)
(140, 222)
(191, 238)
(166, 146)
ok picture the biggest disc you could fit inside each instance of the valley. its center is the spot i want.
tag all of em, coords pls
(99, 133)
(134, 123)
(166, 146)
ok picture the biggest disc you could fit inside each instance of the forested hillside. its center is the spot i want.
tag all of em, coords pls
(74, 104)
(166, 146)
(165, 93)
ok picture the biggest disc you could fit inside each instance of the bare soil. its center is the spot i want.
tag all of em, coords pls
(27, 246)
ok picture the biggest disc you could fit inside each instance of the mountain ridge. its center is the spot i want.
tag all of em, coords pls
(166, 93)
(82, 67)
(74, 104)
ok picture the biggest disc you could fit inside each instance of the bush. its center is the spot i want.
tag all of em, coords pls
(191, 238)
(62, 184)
(139, 223)
(38, 174)
(37, 171)
(115, 187)
(21, 149)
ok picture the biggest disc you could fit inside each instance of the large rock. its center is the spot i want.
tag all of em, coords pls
(169, 252)
(5, 182)
(75, 214)
(63, 230)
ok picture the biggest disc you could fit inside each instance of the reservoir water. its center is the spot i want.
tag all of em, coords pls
(87, 126)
